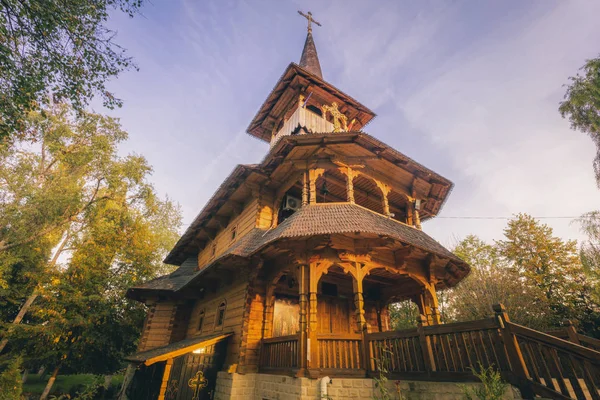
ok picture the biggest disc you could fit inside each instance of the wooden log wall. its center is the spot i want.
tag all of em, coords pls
(252, 330)
(235, 297)
(243, 224)
(158, 326)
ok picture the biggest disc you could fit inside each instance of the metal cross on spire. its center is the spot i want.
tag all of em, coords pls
(310, 19)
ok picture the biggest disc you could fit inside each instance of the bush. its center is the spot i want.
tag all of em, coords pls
(11, 386)
(492, 388)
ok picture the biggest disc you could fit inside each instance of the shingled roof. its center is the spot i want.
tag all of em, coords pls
(310, 59)
(312, 220)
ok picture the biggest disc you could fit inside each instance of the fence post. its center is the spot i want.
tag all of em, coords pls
(572, 335)
(515, 356)
(425, 342)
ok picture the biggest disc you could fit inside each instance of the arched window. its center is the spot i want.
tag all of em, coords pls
(220, 316)
(200, 320)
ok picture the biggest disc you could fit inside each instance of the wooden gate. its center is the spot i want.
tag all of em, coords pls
(194, 375)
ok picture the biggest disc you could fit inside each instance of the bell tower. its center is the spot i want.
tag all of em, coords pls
(293, 262)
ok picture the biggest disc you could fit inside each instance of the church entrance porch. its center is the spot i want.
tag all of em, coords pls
(318, 317)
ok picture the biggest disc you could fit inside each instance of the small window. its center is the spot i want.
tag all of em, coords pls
(315, 110)
(200, 320)
(220, 318)
(233, 233)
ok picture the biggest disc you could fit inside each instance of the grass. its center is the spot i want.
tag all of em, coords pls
(63, 383)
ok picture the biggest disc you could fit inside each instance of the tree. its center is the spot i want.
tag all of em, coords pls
(59, 49)
(548, 263)
(582, 105)
(108, 231)
(403, 315)
(590, 250)
(11, 386)
(492, 281)
(48, 181)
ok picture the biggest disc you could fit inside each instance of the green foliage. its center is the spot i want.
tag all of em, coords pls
(582, 105)
(539, 277)
(492, 281)
(550, 265)
(382, 365)
(66, 384)
(403, 315)
(492, 388)
(59, 49)
(106, 228)
(10, 381)
(87, 392)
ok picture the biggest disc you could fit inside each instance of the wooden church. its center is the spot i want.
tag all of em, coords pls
(289, 269)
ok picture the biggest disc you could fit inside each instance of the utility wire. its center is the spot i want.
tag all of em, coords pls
(505, 218)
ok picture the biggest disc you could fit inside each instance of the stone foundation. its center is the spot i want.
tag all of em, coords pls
(278, 387)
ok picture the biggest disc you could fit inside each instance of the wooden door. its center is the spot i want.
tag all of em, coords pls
(333, 315)
(194, 376)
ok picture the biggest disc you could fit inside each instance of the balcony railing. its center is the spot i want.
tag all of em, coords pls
(303, 118)
(342, 351)
(535, 362)
(279, 353)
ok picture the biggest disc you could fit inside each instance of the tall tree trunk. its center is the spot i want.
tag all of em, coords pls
(25, 376)
(50, 383)
(126, 382)
(27, 305)
(24, 308)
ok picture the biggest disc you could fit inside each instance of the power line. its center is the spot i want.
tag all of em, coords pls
(507, 218)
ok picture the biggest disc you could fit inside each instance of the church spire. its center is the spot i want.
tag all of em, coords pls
(309, 59)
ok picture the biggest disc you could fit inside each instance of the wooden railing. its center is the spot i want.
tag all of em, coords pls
(556, 368)
(537, 363)
(568, 332)
(340, 351)
(402, 349)
(279, 353)
(445, 352)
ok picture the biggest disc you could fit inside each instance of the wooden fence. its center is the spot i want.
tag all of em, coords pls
(543, 364)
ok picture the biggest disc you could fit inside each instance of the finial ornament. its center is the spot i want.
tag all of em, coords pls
(310, 19)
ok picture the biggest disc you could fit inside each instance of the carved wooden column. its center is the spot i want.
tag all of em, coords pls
(359, 305)
(305, 189)
(435, 307)
(409, 212)
(303, 283)
(312, 345)
(350, 185)
(313, 175)
(417, 219)
(424, 309)
(385, 190)
(428, 306)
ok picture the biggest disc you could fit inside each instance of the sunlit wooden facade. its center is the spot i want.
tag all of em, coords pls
(294, 261)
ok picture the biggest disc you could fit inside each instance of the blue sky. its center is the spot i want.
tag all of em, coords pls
(468, 88)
